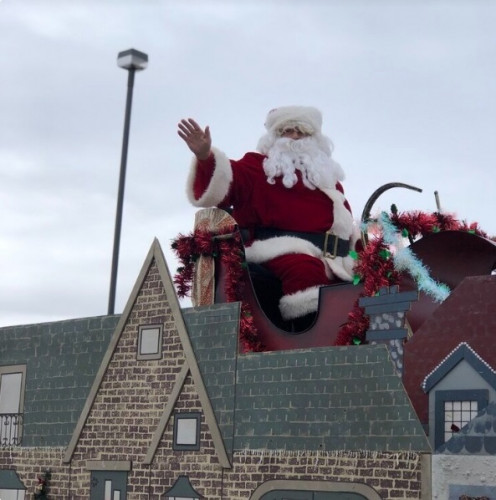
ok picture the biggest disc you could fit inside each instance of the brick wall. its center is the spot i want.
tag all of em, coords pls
(392, 476)
(395, 475)
(30, 463)
(132, 395)
(201, 466)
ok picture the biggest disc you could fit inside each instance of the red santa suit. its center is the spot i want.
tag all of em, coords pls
(300, 264)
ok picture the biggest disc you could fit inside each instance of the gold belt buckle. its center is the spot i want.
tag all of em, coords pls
(334, 253)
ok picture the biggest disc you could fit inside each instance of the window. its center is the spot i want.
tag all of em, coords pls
(457, 414)
(108, 485)
(455, 409)
(12, 380)
(187, 431)
(150, 342)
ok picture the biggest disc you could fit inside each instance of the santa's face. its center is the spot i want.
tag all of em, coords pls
(293, 133)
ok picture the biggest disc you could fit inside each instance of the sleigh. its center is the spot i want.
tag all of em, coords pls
(220, 275)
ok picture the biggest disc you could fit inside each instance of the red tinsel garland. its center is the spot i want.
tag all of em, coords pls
(421, 223)
(189, 248)
(375, 267)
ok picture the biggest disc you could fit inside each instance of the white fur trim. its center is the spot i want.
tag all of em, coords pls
(219, 183)
(263, 250)
(299, 303)
(342, 225)
(338, 171)
(342, 267)
(278, 117)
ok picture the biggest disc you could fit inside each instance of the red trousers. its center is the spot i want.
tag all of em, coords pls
(298, 272)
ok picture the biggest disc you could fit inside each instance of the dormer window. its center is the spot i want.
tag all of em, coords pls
(150, 342)
(458, 388)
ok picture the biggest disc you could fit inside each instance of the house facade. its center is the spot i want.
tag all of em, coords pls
(159, 403)
(166, 406)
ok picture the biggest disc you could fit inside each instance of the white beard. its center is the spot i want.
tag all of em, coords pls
(308, 155)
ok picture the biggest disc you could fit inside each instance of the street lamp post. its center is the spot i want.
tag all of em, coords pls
(132, 60)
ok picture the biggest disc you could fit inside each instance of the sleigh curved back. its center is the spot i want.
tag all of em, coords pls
(450, 257)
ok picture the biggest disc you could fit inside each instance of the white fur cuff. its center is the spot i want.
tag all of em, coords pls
(219, 183)
(300, 303)
(342, 267)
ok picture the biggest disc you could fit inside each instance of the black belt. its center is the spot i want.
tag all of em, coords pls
(331, 245)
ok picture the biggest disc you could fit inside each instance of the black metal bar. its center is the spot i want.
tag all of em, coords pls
(375, 195)
(11, 429)
(120, 195)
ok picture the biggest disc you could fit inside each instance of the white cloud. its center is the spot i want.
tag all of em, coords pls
(406, 89)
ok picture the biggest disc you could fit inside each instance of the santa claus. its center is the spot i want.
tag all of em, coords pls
(287, 198)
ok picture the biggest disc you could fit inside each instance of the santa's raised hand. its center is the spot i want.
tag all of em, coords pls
(197, 139)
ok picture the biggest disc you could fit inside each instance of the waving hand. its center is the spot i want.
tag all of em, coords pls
(197, 139)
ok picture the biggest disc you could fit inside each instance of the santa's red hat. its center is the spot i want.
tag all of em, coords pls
(309, 119)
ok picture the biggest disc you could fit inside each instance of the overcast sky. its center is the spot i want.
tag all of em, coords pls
(407, 90)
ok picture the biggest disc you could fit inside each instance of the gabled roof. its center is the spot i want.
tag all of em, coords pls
(462, 352)
(478, 437)
(467, 315)
(61, 359)
(155, 255)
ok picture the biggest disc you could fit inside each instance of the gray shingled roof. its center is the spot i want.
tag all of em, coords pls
(61, 360)
(330, 398)
(334, 398)
(478, 437)
(213, 332)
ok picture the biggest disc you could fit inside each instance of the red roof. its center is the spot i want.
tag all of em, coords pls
(467, 315)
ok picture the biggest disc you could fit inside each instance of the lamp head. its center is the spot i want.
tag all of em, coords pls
(132, 59)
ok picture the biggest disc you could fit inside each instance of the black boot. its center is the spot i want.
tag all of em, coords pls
(303, 322)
